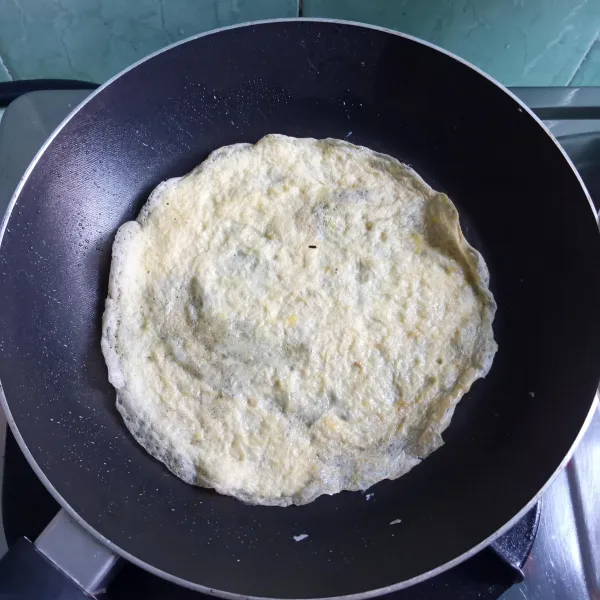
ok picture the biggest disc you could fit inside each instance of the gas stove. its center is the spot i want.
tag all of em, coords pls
(553, 553)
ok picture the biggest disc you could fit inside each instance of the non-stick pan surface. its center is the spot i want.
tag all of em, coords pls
(522, 204)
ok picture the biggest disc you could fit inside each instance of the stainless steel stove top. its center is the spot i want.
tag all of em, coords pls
(564, 563)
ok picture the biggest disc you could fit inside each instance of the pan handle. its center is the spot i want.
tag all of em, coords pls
(65, 563)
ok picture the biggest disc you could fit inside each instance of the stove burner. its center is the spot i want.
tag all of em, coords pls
(28, 508)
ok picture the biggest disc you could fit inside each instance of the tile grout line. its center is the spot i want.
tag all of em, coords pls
(3, 65)
(585, 55)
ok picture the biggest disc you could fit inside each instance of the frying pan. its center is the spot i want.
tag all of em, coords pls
(523, 206)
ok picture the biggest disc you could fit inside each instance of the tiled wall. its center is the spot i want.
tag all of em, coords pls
(520, 42)
(94, 39)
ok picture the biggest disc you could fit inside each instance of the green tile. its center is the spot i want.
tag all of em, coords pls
(94, 39)
(589, 70)
(4, 74)
(520, 42)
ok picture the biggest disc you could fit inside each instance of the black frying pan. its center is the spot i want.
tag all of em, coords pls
(522, 203)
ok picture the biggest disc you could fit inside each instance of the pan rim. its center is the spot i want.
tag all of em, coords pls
(232, 595)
